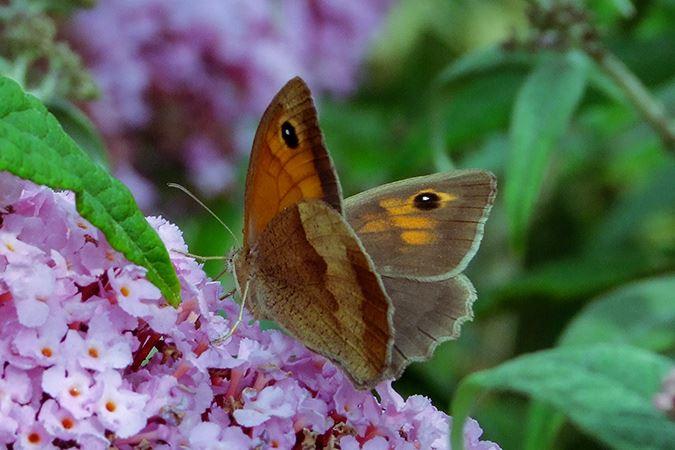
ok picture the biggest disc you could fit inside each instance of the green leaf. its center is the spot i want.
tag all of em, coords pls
(638, 205)
(80, 128)
(478, 106)
(541, 114)
(34, 146)
(575, 277)
(640, 314)
(605, 390)
(625, 7)
(482, 60)
(542, 426)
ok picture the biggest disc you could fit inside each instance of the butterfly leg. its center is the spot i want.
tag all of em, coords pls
(219, 340)
(199, 257)
(229, 293)
(209, 258)
(221, 273)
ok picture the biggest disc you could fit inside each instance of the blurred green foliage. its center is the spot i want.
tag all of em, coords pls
(32, 53)
(570, 104)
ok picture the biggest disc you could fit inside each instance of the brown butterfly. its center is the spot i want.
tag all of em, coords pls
(372, 283)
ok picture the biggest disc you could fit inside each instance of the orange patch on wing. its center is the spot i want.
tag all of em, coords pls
(295, 191)
(311, 187)
(418, 237)
(397, 206)
(414, 222)
(375, 226)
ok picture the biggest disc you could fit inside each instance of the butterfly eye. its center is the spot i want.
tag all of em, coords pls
(288, 135)
(427, 201)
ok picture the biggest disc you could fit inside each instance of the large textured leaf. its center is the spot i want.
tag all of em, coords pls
(605, 390)
(541, 114)
(34, 146)
(641, 314)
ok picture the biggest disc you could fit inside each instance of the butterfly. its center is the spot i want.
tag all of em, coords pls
(372, 282)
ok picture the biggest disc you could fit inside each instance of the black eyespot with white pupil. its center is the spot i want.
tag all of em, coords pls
(427, 201)
(288, 135)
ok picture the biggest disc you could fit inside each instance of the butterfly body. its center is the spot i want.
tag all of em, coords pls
(372, 282)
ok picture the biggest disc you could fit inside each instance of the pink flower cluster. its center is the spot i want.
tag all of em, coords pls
(665, 400)
(91, 355)
(189, 79)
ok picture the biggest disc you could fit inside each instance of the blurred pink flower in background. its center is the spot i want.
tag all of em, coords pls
(91, 355)
(184, 83)
(665, 400)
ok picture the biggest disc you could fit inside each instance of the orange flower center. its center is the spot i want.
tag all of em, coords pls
(46, 352)
(110, 406)
(125, 291)
(67, 423)
(34, 438)
(93, 352)
(74, 392)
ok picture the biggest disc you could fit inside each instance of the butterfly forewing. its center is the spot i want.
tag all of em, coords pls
(314, 278)
(289, 162)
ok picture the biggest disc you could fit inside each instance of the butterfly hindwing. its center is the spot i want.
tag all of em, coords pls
(425, 228)
(426, 313)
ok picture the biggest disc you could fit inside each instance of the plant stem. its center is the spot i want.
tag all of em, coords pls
(637, 93)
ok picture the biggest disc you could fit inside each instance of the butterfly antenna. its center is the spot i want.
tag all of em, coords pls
(194, 197)
(219, 340)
